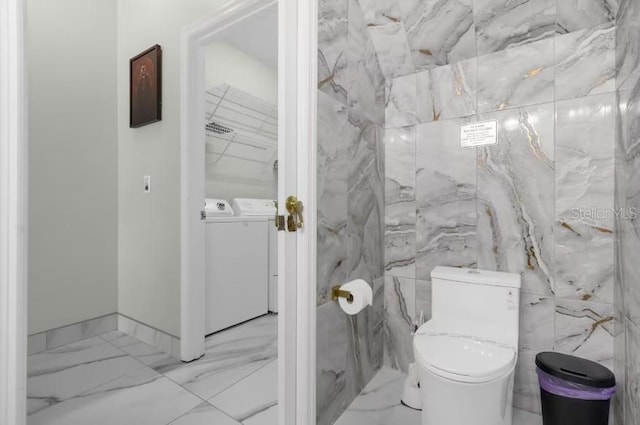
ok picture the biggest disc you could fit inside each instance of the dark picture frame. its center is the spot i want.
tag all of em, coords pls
(145, 87)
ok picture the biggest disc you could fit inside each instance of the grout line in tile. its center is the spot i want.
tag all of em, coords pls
(239, 380)
(82, 393)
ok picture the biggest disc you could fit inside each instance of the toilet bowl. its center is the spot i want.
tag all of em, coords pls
(466, 354)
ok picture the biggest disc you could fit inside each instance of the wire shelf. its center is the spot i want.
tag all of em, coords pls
(240, 126)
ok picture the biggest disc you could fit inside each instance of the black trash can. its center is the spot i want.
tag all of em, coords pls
(574, 391)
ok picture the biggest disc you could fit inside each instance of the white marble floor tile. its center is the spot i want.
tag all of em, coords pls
(230, 356)
(104, 380)
(56, 375)
(379, 404)
(205, 414)
(141, 398)
(266, 417)
(254, 396)
(147, 354)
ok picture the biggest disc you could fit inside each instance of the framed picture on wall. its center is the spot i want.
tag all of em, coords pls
(145, 87)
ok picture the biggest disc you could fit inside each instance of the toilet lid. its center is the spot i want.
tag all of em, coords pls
(463, 358)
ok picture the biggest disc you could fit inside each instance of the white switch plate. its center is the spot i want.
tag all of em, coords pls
(147, 184)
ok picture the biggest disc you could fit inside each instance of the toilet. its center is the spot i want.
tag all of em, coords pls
(466, 354)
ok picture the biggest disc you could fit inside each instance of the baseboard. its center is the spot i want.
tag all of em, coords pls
(63, 335)
(149, 335)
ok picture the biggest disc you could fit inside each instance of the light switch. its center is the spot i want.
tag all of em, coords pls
(147, 184)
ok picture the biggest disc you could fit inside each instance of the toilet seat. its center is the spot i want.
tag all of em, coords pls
(463, 358)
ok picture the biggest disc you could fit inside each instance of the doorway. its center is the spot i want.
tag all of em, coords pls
(295, 155)
(298, 106)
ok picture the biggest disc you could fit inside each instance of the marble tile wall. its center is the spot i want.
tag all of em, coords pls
(627, 200)
(540, 202)
(351, 199)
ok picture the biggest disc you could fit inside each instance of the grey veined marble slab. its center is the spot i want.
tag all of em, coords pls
(627, 169)
(335, 134)
(333, 27)
(401, 100)
(516, 197)
(383, 18)
(537, 327)
(446, 198)
(439, 32)
(400, 202)
(334, 387)
(628, 45)
(583, 14)
(400, 302)
(585, 63)
(526, 389)
(632, 390)
(515, 77)
(444, 92)
(365, 225)
(366, 80)
(584, 232)
(448, 91)
(348, 353)
(501, 24)
(585, 329)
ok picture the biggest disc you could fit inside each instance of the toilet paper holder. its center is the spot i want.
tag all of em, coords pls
(336, 293)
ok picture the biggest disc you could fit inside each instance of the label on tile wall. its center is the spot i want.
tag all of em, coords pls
(479, 134)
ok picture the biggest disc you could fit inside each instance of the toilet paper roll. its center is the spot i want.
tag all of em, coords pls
(362, 296)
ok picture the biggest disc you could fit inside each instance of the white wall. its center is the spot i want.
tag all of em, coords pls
(226, 64)
(149, 226)
(71, 59)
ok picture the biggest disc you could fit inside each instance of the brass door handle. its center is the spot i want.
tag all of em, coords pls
(279, 220)
(295, 208)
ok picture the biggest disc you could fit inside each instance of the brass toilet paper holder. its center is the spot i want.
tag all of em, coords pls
(336, 293)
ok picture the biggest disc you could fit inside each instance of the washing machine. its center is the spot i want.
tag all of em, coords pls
(237, 271)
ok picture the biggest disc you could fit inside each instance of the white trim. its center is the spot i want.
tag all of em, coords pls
(149, 335)
(287, 185)
(192, 151)
(297, 97)
(307, 190)
(13, 216)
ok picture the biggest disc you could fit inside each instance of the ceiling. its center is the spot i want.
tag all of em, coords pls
(257, 36)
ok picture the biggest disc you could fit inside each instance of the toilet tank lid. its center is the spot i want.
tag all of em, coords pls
(483, 277)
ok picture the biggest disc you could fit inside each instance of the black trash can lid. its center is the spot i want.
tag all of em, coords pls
(575, 369)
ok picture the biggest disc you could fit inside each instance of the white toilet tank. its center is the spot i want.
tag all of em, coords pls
(484, 304)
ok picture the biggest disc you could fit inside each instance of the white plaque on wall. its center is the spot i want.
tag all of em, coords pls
(481, 133)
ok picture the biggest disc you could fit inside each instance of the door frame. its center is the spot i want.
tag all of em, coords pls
(298, 29)
(13, 215)
(297, 99)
